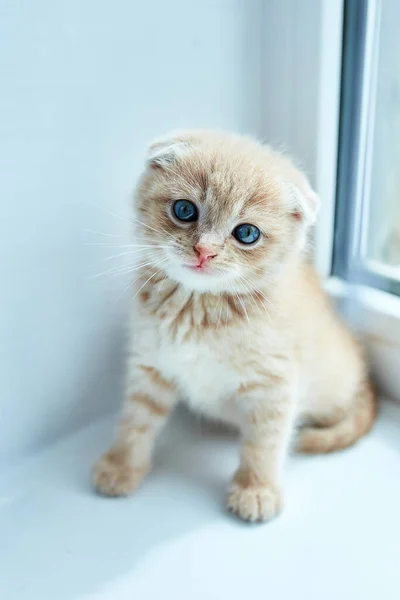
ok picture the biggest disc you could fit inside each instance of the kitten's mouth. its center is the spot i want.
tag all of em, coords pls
(200, 277)
(199, 269)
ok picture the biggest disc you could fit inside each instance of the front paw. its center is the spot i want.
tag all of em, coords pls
(255, 502)
(114, 475)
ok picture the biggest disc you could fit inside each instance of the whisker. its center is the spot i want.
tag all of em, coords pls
(220, 312)
(121, 269)
(147, 280)
(135, 222)
(240, 302)
(257, 270)
(253, 287)
(258, 290)
(141, 250)
(163, 233)
(124, 219)
(247, 291)
(103, 233)
(226, 317)
(123, 245)
(134, 281)
(241, 328)
(244, 308)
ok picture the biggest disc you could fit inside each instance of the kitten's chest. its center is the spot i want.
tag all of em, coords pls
(191, 346)
(204, 372)
(208, 346)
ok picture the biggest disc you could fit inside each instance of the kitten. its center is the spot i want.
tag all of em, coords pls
(231, 318)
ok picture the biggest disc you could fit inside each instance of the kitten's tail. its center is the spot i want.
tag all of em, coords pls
(344, 433)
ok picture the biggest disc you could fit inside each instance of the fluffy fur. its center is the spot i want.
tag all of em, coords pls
(250, 339)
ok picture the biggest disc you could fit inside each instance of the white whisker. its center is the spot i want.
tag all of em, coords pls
(135, 280)
(244, 307)
(247, 291)
(103, 233)
(124, 245)
(122, 269)
(220, 301)
(147, 280)
(135, 222)
(140, 251)
(258, 291)
(163, 233)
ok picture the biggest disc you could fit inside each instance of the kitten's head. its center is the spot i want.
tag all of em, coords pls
(222, 211)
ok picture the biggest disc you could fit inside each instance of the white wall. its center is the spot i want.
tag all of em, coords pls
(84, 85)
(302, 46)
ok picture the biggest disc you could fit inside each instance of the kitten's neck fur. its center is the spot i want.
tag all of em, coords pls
(173, 303)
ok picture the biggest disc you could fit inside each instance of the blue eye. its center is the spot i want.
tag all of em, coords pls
(246, 233)
(186, 211)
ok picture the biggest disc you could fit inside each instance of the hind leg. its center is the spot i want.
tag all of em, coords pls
(341, 426)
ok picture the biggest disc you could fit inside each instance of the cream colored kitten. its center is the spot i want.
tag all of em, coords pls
(231, 318)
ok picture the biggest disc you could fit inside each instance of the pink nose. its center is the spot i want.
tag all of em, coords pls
(204, 253)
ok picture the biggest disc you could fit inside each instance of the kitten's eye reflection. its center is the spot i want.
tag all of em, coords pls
(246, 233)
(184, 210)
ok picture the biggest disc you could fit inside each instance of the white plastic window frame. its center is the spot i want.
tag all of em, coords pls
(359, 85)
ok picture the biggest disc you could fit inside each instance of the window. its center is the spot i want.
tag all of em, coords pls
(367, 232)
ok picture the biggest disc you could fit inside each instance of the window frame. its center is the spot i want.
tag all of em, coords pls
(361, 29)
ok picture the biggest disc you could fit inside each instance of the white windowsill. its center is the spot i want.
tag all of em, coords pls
(339, 532)
(379, 268)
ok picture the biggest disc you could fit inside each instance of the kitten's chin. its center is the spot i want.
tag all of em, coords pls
(200, 281)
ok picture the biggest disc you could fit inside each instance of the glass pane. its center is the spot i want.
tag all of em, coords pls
(380, 245)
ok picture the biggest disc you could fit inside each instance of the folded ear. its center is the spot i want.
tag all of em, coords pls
(165, 151)
(304, 202)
